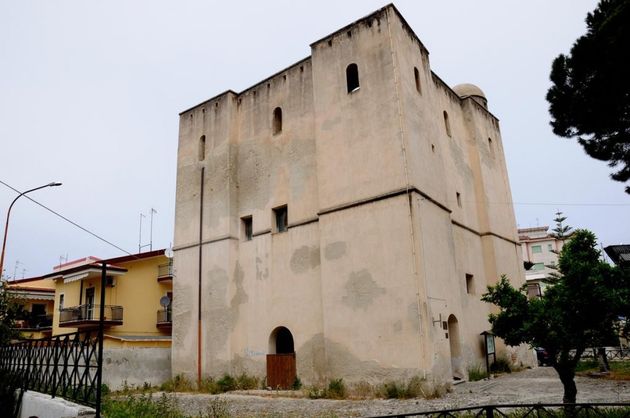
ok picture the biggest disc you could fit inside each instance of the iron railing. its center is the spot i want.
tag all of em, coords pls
(526, 410)
(89, 314)
(34, 322)
(612, 353)
(64, 365)
(164, 317)
(165, 271)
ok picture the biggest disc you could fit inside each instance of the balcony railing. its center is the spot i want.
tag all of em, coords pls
(165, 272)
(89, 315)
(164, 318)
(34, 322)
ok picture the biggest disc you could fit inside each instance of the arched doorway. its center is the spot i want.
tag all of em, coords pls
(456, 348)
(281, 370)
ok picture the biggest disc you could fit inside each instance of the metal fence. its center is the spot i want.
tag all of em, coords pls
(612, 353)
(165, 270)
(164, 317)
(64, 365)
(527, 410)
(89, 313)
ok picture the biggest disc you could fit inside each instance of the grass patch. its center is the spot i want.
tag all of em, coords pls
(141, 406)
(179, 383)
(501, 365)
(336, 389)
(145, 405)
(226, 383)
(619, 370)
(415, 387)
(476, 372)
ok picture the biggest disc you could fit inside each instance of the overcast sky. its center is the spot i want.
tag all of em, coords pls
(90, 94)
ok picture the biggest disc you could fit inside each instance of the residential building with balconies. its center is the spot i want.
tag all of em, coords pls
(36, 296)
(540, 253)
(136, 314)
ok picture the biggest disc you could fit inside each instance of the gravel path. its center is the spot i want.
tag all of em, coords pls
(530, 386)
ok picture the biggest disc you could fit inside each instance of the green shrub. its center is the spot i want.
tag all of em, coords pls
(245, 382)
(297, 384)
(226, 383)
(179, 383)
(208, 385)
(315, 392)
(501, 365)
(336, 389)
(476, 373)
(362, 390)
(413, 388)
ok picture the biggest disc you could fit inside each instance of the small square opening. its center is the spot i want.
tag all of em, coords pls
(281, 219)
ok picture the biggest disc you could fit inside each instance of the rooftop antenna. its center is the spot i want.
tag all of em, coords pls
(140, 234)
(151, 230)
(23, 272)
(17, 263)
(63, 259)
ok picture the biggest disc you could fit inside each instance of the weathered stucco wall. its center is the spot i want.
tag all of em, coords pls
(136, 366)
(370, 277)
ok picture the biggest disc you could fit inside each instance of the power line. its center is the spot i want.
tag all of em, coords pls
(68, 220)
(571, 204)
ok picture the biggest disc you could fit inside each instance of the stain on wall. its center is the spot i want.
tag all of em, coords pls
(361, 290)
(335, 250)
(304, 259)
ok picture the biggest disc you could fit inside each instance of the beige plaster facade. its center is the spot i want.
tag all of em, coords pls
(391, 235)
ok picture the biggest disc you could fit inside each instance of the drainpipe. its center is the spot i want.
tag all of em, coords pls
(199, 280)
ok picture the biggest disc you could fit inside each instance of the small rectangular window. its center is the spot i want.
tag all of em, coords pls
(549, 247)
(248, 230)
(281, 218)
(61, 297)
(459, 199)
(470, 285)
(538, 266)
(536, 249)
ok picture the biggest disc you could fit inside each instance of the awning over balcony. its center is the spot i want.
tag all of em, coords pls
(92, 272)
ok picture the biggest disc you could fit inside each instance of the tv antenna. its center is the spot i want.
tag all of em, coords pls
(150, 244)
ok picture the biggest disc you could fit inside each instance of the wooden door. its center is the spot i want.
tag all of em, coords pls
(281, 370)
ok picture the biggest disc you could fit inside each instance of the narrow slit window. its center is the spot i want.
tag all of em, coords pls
(458, 196)
(277, 120)
(281, 219)
(470, 284)
(416, 74)
(447, 125)
(352, 78)
(248, 230)
(202, 148)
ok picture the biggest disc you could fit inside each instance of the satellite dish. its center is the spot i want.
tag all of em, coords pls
(168, 252)
(165, 301)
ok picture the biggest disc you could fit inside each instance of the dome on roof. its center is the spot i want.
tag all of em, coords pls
(464, 90)
(472, 91)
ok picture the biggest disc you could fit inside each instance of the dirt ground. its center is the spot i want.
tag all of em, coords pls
(529, 386)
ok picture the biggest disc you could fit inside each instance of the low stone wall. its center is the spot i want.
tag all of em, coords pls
(35, 404)
(135, 366)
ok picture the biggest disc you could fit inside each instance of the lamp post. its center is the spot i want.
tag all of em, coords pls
(6, 227)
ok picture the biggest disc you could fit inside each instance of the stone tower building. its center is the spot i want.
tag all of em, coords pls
(341, 218)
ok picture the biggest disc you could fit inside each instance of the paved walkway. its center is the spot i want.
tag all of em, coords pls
(530, 386)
